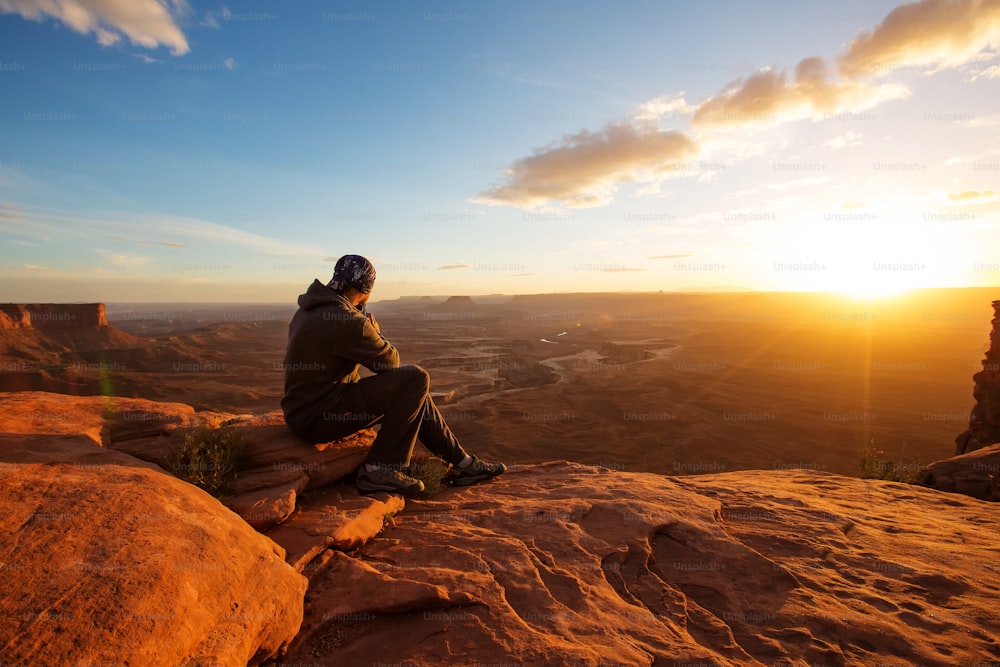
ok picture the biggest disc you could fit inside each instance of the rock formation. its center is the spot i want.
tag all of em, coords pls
(51, 315)
(976, 474)
(564, 564)
(275, 467)
(106, 560)
(984, 423)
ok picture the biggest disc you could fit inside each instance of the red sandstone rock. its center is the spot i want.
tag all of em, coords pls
(275, 467)
(52, 315)
(564, 564)
(99, 418)
(108, 560)
(975, 474)
(336, 518)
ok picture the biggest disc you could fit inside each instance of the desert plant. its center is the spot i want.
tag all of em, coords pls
(875, 465)
(208, 459)
(432, 472)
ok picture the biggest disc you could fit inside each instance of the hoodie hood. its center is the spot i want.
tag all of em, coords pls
(319, 294)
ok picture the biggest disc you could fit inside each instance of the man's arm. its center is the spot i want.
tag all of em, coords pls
(368, 347)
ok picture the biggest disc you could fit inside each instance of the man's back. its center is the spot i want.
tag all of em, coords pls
(327, 341)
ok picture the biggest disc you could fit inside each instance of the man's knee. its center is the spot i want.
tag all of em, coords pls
(415, 376)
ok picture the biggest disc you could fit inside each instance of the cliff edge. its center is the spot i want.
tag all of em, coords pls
(552, 564)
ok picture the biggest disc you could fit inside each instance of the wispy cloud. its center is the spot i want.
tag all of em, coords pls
(146, 23)
(139, 227)
(677, 256)
(971, 195)
(844, 140)
(807, 182)
(9, 212)
(449, 267)
(124, 261)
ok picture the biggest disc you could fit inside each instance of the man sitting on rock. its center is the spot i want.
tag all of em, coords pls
(325, 398)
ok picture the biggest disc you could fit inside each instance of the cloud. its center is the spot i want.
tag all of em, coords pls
(584, 169)
(124, 261)
(146, 23)
(581, 169)
(448, 267)
(211, 19)
(849, 138)
(805, 182)
(135, 227)
(229, 63)
(968, 195)
(991, 72)
(769, 97)
(941, 33)
(35, 267)
(678, 256)
(987, 120)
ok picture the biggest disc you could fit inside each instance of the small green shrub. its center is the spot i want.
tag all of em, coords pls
(208, 459)
(874, 465)
(432, 472)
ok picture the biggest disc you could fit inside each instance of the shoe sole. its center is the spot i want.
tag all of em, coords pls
(469, 481)
(367, 487)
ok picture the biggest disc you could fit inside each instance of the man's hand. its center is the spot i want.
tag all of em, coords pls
(371, 318)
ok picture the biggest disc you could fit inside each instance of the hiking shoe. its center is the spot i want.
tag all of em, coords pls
(477, 471)
(386, 479)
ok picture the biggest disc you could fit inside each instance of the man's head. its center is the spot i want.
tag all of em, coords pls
(353, 273)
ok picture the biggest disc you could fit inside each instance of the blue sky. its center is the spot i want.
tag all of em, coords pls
(190, 151)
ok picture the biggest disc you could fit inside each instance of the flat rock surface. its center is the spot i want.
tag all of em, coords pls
(107, 560)
(564, 564)
(41, 412)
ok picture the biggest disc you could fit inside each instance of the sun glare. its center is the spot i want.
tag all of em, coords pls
(871, 289)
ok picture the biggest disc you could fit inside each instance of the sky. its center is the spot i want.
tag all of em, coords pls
(176, 151)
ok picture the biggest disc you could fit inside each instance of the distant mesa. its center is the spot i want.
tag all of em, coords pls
(458, 304)
(51, 315)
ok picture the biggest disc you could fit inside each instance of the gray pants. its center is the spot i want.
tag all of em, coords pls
(400, 401)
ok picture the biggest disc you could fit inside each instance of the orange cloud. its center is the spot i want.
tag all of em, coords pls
(146, 23)
(581, 169)
(769, 97)
(946, 33)
(967, 195)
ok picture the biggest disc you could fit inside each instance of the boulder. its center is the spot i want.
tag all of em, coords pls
(975, 474)
(107, 560)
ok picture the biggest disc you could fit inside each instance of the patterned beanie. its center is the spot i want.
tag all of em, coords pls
(353, 271)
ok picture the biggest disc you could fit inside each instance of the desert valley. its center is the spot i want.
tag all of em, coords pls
(683, 487)
(664, 383)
